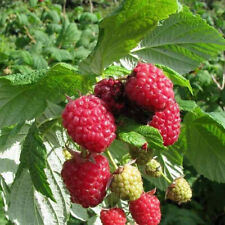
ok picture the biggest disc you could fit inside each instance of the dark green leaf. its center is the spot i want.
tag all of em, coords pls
(24, 102)
(34, 158)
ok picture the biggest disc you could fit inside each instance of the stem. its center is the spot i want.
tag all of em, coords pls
(64, 8)
(111, 159)
(166, 178)
(91, 6)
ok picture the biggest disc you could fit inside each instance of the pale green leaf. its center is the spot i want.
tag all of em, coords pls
(206, 144)
(175, 77)
(181, 42)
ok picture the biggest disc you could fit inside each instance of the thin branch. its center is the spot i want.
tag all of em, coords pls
(91, 6)
(220, 86)
(29, 35)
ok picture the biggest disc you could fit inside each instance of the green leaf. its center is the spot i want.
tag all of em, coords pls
(206, 144)
(175, 215)
(175, 77)
(123, 30)
(27, 206)
(132, 138)
(219, 117)
(181, 42)
(33, 3)
(116, 71)
(22, 205)
(79, 212)
(186, 105)
(136, 134)
(24, 102)
(13, 134)
(30, 207)
(59, 54)
(34, 157)
(69, 35)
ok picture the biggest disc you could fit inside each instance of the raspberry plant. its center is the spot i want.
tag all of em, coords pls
(115, 106)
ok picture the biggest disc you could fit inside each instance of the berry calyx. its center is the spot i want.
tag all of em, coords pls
(146, 209)
(153, 168)
(114, 216)
(89, 123)
(149, 88)
(86, 180)
(127, 183)
(179, 191)
(110, 91)
(168, 123)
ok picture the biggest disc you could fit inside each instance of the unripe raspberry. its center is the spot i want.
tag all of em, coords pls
(115, 216)
(179, 191)
(86, 180)
(153, 168)
(89, 123)
(168, 123)
(141, 155)
(110, 91)
(146, 210)
(149, 88)
(127, 183)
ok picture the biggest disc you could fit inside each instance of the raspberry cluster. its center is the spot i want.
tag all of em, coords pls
(146, 95)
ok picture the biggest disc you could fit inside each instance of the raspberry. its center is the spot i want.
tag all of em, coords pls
(142, 156)
(153, 168)
(127, 183)
(89, 123)
(115, 216)
(146, 210)
(111, 91)
(168, 123)
(179, 191)
(149, 88)
(86, 180)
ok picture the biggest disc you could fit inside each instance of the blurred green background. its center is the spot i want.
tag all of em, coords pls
(37, 35)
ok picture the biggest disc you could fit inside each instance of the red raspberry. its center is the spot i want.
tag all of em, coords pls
(149, 88)
(115, 216)
(86, 180)
(111, 91)
(89, 123)
(146, 210)
(168, 123)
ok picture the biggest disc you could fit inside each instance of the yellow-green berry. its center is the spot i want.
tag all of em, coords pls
(127, 183)
(179, 191)
(153, 168)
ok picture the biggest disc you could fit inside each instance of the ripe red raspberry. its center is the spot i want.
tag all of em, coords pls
(115, 216)
(149, 88)
(89, 123)
(86, 180)
(168, 123)
(146, 210)
(111, 91)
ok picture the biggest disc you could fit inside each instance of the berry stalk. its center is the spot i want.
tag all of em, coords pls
(108, 153)
(166, 178)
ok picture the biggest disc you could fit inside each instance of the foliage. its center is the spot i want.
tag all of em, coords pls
(47, 53)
